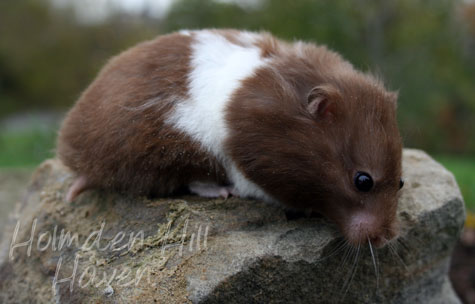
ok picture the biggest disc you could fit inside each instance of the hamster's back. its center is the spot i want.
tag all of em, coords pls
(116, 137)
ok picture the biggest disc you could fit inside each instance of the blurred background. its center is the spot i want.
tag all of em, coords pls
(50, 50)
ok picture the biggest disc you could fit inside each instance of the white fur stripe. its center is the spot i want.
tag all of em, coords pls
(217, 68)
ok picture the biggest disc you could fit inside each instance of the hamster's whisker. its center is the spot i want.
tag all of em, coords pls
(342, 244)
(347, 284)
(402, 243)
(374, 262)
(348, 252)
(394, 252)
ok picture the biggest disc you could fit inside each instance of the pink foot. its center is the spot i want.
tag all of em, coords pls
(211, 190)
(78, 186)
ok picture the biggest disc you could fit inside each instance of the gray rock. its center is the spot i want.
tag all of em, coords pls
(13, 184)
(223, 251)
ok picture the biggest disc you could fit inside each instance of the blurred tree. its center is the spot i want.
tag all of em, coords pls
(416, 44)
(47, 58)
(424, 48)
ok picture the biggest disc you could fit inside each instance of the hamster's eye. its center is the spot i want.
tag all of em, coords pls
(363, 181)
(401, 183)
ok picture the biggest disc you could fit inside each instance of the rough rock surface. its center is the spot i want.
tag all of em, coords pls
(222, 251)
(13, 184)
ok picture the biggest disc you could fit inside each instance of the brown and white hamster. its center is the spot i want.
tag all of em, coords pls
(232, 112)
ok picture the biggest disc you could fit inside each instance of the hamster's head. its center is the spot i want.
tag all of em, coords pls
(338, 152)
(359, 159)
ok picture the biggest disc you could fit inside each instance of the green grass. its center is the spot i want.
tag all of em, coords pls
(464, 170)
(26, 148)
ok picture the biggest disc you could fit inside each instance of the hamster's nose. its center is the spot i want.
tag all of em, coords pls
(366, 227)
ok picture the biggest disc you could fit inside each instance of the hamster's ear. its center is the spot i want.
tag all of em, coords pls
(321, 101)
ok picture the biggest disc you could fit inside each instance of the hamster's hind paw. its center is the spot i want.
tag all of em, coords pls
(211, 190)
(78, 186)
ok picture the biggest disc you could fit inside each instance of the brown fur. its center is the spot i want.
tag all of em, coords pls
(119, 141)
(308, 161)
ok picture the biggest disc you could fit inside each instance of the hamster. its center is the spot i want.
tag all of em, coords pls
(227, 112)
